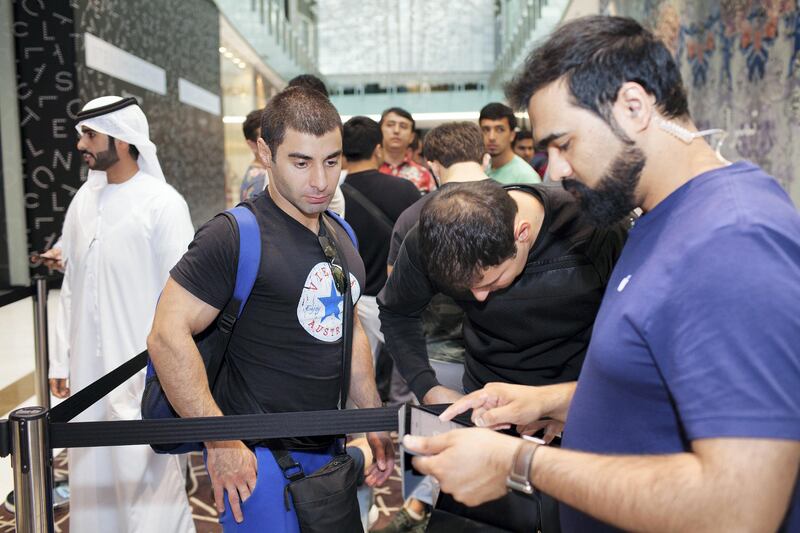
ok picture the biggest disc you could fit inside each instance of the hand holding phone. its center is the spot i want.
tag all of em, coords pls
(422, 421)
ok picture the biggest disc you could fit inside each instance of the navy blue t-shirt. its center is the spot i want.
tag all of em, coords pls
(698, 335)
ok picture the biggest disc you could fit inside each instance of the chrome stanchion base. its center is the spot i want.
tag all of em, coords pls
(60, 497)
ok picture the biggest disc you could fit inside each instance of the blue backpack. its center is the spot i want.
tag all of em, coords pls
(213, 342)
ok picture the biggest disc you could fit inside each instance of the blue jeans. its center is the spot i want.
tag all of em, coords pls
(265, 509)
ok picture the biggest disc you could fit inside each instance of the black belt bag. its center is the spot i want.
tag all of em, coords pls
(326, 500)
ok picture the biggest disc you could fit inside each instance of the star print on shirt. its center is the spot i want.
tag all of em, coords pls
(319, 309)
(331, 303)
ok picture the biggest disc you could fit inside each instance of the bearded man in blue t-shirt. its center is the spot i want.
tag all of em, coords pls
(686, 416)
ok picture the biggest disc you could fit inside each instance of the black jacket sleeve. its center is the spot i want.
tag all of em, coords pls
(406, 294)
(606, 247)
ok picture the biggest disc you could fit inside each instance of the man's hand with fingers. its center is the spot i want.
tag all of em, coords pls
(552, 429)
(470, 464)
(59, 388)
(383, 453)
(232, 467)
(52, 259)
(441, 394)
(498, 406)
(501, 405)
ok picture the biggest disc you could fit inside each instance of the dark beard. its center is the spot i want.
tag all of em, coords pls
(105, 160)
(614, 197)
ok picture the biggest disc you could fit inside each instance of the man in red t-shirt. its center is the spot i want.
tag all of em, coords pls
(397, 126)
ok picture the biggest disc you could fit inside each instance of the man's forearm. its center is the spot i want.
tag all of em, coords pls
(627, 492)
(182, 373)
(677, 492)
(558, 399)
(363, 391)
(401, 301)
(405, 341)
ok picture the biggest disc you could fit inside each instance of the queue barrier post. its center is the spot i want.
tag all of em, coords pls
(33, 470)
(41, 382)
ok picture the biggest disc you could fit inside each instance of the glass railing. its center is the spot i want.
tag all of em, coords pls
(266, 26)
(521, 24)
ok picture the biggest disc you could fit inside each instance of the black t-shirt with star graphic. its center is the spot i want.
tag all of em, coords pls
(286, 347)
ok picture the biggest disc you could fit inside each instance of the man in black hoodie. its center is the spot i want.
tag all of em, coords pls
(526, 268)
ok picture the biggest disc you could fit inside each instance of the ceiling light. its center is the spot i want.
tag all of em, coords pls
(229, 54)
(222, 49)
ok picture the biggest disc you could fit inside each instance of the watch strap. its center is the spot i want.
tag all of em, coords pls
(519, 477)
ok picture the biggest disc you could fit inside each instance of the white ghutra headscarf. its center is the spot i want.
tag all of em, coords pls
(123, 119)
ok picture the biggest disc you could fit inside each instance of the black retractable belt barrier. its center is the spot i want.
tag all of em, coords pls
(11, 295)
(232, 427)
(86, 397)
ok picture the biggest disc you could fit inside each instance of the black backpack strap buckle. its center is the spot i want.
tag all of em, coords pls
(226, 322)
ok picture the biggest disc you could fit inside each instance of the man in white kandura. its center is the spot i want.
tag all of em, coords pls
(123, 232)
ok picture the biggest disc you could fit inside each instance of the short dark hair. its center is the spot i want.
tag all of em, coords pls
(416, 141)
(498, 111)
(454, 142)
(465, 228)
(521, 136)
(301, 109)
(251, 124)
(597, 54)
(310, 81)
(399, 111)
(360, 136)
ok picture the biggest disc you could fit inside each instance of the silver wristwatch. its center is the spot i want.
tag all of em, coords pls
(518, 479)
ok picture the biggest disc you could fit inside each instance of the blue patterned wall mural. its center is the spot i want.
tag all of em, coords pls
(740, 61)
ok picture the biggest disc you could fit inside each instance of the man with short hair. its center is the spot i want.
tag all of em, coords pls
(312, 82)
(286, 350)
(398, 128)
(124, 230)
(523, 145)
(255, 177)
(524, 266)
(498, 124)
(686, 416)
(375, 201)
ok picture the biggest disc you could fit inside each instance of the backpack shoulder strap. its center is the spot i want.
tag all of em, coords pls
(343, 223)
(249, 258)
(248, 261)
(375, 212)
